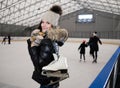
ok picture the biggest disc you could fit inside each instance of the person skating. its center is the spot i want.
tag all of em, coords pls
(82, 47)
(4, 40)
(9, 39)
(94, 47)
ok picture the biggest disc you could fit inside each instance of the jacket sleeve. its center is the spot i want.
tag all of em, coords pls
(33, 54)
(46, 50)
(41, 55)
(79, 47)
(100, 41)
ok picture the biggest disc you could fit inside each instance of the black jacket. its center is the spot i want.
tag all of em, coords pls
(93, 42)
(82, 48)
(41, 56)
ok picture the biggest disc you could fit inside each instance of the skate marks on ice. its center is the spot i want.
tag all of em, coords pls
(3, 85)
(16, 67)
(81, 74)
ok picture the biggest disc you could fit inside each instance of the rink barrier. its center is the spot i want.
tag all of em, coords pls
(74, 40)
(108, 75)
(104, 41)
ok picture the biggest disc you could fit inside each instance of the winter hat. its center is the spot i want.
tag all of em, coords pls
(53, 15)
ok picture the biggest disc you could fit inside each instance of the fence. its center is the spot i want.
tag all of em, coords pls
(109, 74)
(101, 34)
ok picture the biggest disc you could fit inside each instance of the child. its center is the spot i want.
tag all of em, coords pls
(82, 49)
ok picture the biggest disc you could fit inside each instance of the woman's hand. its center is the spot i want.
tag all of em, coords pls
(36, 37)
(37, 40)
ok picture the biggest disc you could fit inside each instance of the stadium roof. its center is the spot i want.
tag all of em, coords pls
(28, 12)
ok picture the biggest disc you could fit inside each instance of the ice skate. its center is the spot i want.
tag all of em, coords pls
(57, 68)
(53, 82)
(59, 73)
(58, 64)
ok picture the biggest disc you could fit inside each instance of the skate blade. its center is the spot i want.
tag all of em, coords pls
(55, 74)
(53, 71)
(53, 82)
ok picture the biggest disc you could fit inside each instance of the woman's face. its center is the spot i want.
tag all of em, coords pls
(45, 26)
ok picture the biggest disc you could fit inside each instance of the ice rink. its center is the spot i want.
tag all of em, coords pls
(16, 67)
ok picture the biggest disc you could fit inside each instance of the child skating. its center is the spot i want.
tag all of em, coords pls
(82, 47)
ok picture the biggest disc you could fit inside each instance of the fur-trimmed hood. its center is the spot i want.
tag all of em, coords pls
(58, 34)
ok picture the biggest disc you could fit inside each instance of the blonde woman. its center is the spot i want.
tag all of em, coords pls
(43, 43)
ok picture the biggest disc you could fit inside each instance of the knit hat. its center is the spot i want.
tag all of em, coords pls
(52, 15)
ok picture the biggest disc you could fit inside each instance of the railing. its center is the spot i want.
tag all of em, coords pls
(101, 34)
(108, 75)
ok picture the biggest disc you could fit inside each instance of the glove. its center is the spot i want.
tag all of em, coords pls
(37, 40)
(60, 43)
(34, 34)
(36, 37)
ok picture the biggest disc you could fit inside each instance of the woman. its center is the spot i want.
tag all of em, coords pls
(43, 43)
(94, 47)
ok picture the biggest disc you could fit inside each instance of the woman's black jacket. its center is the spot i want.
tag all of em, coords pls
(41, 56)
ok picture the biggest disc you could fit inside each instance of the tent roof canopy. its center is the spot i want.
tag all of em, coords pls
(29, 12)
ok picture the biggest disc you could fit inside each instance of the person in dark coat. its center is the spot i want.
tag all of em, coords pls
(4, 40)
(82, 47)
(41, 47)
(9, 39)
(94, 48)
(91, 45)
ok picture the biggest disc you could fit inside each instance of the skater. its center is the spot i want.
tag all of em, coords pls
(4, 40)
(9, 39)
(82, 47)
(94, 47)
(90, 45)
(45, 42)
